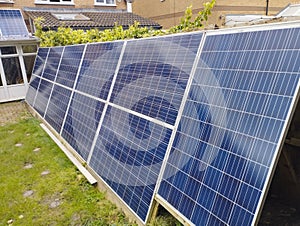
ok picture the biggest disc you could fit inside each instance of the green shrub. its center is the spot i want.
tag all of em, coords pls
(68, 36)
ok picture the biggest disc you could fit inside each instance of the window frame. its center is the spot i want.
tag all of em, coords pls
(7, 1)
(105, 3)
(20, 54)
(62, 16)
(48, 2)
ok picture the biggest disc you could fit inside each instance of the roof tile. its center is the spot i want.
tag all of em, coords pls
(98, 19)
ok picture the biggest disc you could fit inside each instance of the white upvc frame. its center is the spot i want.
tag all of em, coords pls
(14, 91)
(61, 2)
(6, 1)
(104, 3)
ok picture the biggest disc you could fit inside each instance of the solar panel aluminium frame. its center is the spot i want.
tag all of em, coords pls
(158, 198)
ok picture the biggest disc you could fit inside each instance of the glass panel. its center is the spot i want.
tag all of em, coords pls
(12, 70)
(110, 1)
(29, 49)
(28, 61)
(70, 16)
(8, 50)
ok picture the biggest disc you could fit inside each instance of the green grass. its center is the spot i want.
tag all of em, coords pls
(79, 202)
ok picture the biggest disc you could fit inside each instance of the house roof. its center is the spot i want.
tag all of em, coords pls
(87, 18)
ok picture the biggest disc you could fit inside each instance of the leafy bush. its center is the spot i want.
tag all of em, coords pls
(68, 36)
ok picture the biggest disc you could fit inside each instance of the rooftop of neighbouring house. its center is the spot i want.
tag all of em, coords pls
(87, 18)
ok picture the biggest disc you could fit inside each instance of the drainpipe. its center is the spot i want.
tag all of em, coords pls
(267, 8)
(129, 5)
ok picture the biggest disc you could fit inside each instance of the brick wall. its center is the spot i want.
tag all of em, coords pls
(168, 12)
(19, 4)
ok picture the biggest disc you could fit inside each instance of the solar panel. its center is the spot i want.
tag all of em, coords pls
(153, 81)
(57, 107)
(194, 121)
(98, 68)
(233, 121)
(40, 59)
(42, 96)
(32, 89)
(52, 63)
(69, 65)
(81, 123)
(12, 24)
(130, 165)
(37, 71)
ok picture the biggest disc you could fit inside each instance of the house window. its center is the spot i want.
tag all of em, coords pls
(11, 65)
(29, 53)
(6, 1)
(54, 1)
(8, 50)
(12, 70)
(105, 2)
(70, 16)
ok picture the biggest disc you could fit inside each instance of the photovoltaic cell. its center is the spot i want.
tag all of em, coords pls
(70, 61)
(57, 107)
(81, 123)
(98, 68)
(12, 24)
(233, 122)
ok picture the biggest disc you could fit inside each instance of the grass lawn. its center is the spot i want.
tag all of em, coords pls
(40, 186)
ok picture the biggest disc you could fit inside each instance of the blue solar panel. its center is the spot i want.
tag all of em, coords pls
(69, 65)
(128, 156)
(233, 120)
(32, 89)
(52, 63)
(57, 107)
(42, 96)
(194, 121)
(40, 61)
(12, 24)
(81, 123)
(152, 81)
(98, 68)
